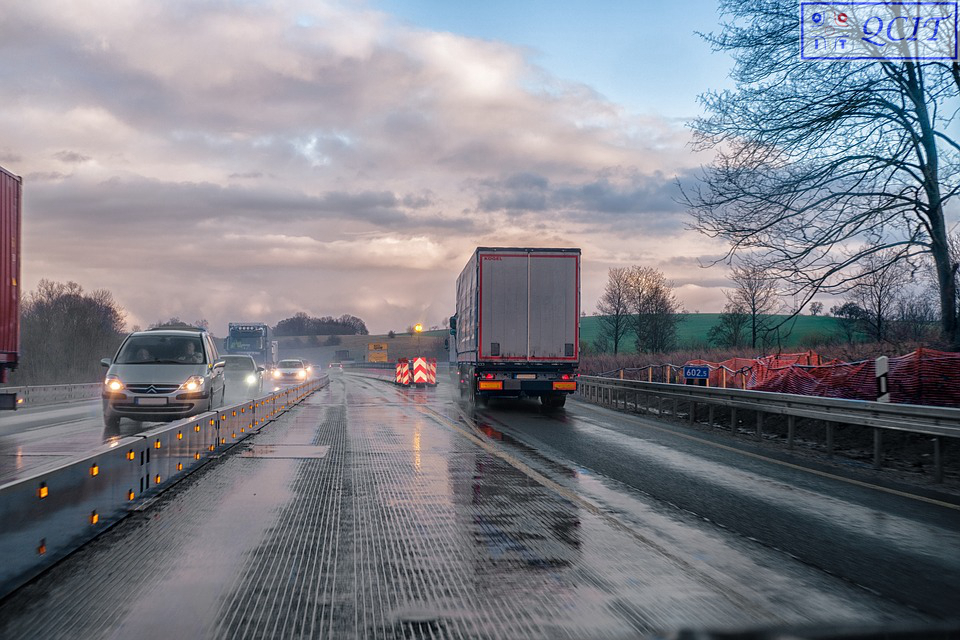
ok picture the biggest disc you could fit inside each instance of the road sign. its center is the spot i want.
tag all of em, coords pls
(696, 372)
(377, 346)
(378, 356)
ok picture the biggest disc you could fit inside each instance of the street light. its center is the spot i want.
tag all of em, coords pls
(417, 328)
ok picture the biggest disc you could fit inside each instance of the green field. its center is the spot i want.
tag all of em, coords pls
(693, 329)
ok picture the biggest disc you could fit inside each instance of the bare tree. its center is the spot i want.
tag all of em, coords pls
(813, 157)
(614, 308)
(914, 319)
(816, 309)
(880, 282)
(654, 310)
(757, 296)
(849, 317)
(730, 330)
(65, 332)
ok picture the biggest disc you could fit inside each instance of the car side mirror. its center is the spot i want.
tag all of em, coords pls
(105, 362)
(261, 369)
(220, 364)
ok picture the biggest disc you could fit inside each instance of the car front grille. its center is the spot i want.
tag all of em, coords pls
(151, 389)
(128, 408)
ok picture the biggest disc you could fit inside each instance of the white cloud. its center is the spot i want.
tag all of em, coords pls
(309, 156)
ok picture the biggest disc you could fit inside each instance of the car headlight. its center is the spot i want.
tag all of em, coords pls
(276, 373)
(112, 383)
(193, 383)
(301, 374)
(251, 379)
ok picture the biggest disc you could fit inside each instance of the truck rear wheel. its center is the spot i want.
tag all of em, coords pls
(553, 401)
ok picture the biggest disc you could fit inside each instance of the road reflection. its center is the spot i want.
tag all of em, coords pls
(517, 524)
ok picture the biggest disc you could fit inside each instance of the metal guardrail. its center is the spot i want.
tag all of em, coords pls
(53, 511)
(39, 395)
(938, 422)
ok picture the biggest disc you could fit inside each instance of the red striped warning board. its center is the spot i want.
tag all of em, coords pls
(421, 371)
(403, 372)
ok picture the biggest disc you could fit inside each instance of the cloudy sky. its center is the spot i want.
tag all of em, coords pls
(245, 160)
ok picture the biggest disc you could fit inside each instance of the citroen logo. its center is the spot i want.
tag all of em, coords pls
(150, 389)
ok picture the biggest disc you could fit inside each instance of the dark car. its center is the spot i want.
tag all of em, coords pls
(243, 377)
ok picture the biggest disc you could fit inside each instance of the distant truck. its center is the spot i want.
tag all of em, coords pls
(517, 327)
(10, 211)
(250, 339)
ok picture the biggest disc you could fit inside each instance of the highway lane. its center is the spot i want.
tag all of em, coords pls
(902, 547)
(371, 511)
(39, 436)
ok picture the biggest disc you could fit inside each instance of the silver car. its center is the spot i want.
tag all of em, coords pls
(162, 374)
(290, 370)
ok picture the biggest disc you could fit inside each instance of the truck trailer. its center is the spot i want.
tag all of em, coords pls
(517, 327)
(10, 209)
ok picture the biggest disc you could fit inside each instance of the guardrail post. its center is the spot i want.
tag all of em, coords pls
(660, 406)
(759, 425)
(829, 439)
(675, 401)
(693, 412)
(791, 430)
(877, 447)
(710, 415)
(937, 461)
(733, 420)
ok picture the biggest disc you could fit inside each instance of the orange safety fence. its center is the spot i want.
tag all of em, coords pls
(925, 376)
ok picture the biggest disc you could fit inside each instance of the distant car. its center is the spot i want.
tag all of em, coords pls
(336, 365)
(291, 370)
(243, 377)
(162, 374)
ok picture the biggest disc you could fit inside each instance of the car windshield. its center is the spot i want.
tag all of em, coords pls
(290, 364)
(161, 349)
(235, 363)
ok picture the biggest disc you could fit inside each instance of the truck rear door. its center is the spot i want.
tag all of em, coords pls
(554, 306)
(503, 306)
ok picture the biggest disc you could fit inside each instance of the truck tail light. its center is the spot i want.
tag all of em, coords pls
(565, 376)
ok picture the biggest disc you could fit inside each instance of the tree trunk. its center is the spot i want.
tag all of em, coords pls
(946, 278)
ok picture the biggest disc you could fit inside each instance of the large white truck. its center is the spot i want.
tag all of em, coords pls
(518, 324)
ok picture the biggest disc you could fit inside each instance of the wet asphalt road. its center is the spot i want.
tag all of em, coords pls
(37, 437)
(373, 511)
(901, 547)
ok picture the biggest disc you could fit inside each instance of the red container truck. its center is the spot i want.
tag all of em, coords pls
(10, 206)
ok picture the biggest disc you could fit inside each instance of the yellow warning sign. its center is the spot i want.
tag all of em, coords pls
(376, 346)
(378, 356)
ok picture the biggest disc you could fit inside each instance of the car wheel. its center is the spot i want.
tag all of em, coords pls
(111, 420)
